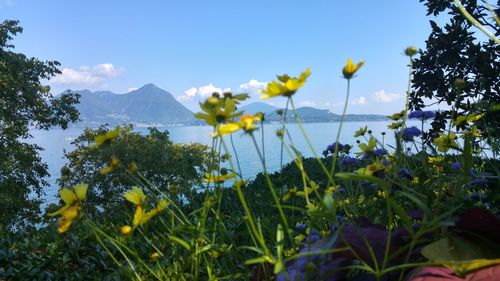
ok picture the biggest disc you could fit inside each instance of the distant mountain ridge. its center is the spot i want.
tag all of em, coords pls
(308, 114)
(151, 106)
(146, 106)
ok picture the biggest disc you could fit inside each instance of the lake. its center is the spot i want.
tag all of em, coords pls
(56, 141)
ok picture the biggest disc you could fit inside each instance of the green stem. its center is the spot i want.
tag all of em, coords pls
(308, 141)
(283, 131)
(248, 213)
(262, 141)
(237, 158)
(335, 154)
(408, 92)
(477, 24)
(271, 189)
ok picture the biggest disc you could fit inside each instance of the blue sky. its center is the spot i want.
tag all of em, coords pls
(191, 48)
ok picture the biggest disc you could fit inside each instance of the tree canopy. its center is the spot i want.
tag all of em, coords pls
(25, 103)
(111, 169)
(459, 67)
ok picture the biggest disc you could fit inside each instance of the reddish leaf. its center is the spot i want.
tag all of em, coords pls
(433, 273)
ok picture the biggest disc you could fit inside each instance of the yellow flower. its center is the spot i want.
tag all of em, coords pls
(113, 164)
(361, 131)
(415, 180)
(330, 190)
(285, 85)
(219, 110)
(397, 116)
(446, 141)
(136, 196)
(367, 148)
(72, 199)
(126, 229)
(350, 68)
(395, 125)
(108, 137)
(217, 178)
(293, 192)
(132, 167)
(382, 194)
(225, 129)
(435, 160)
(372, 169)
(473, 132)
(247, 122)
(461, 120)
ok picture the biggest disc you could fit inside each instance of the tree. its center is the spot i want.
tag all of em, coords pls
(460, 68)
(25, 103)
(110, 169)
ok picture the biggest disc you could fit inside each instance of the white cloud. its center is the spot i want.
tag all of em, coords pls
(86, 75)
(383, 97)
(359, 101)
(202, 92)
(132, 89)
(252, 86)
(106, 70)
(332, 104)
(191, 92)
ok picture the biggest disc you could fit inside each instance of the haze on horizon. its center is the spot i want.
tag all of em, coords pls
(193, 49)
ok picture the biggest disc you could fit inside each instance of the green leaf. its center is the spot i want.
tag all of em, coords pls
(180, 242)
(280, 235)
(358, 177)
(329, 203)
(415, 200)
(256, 260)
(462, 254)
(463, 268)
(401, 213)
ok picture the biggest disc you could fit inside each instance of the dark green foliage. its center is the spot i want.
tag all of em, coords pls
(44, 254)
(173, 168)
(454, 51)
(25, 103)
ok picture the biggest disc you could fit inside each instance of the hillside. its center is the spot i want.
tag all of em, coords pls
(146, 106)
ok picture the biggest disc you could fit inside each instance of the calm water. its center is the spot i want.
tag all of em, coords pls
(56, 141)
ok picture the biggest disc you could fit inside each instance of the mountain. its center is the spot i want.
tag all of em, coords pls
(146, 106)
(255, 107)
(311, 115)
(152, 106)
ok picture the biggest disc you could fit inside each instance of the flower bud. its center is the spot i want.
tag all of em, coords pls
(154, 256)
(279, 133)
(126, 229)
(459, 83)
(65, 171)
(411, 51)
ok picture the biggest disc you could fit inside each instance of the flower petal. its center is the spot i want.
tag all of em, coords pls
(67, 195)
(81, 191)
(135, 196)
